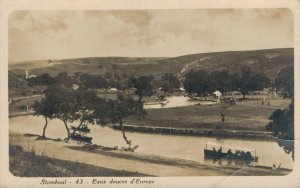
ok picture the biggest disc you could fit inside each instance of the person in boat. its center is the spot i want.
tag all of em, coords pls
(248, 155)
(214, 149)
(229, 152)
(220, 150)
(243, 154)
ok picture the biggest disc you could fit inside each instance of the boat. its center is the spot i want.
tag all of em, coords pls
(81, 138)
(217, 152)
(81, 129)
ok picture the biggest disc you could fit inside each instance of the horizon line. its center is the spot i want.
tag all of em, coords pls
(85, 57)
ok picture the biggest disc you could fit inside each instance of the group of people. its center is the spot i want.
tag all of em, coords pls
(237, 154)
(227, 100)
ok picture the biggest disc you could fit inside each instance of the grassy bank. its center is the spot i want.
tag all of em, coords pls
(244, 116)
(28, 164)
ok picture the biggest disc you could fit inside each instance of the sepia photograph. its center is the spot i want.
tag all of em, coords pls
(150, 93)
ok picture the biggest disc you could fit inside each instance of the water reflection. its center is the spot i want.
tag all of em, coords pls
(184, 147)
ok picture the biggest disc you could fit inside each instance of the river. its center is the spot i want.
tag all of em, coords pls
(183, 147)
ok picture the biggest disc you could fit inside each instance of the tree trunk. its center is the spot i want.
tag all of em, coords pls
(123, 132)
(46, 124)
(81, 122)
(67, 129)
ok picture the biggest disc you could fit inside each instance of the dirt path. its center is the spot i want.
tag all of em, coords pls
(119, 160)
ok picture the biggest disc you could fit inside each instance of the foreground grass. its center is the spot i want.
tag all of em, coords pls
(244, 116)
(28, 164)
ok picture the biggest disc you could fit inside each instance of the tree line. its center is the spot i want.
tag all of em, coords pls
(84, 106)
(203, 83)
(146, 84)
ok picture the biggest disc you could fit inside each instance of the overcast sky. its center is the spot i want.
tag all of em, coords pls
(36, 35)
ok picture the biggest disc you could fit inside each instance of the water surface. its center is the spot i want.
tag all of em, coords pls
(183, 147)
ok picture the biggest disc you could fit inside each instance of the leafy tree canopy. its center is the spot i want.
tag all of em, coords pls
(169, 82)
(285, 81)
(143, 86)
(198, 82)
(282, 127)
(251, 81)
(44, 79)
(93, 81)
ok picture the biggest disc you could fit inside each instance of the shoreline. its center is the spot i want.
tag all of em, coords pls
(153, 165)
(182, 131)
(11, 115)
(196, 132)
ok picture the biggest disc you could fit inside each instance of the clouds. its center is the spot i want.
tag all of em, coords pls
(70, 34)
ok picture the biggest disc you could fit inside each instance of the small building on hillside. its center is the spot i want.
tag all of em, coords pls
(182, 89)
(217, 94)
(27, 75)
(75, 86)
(113, 90)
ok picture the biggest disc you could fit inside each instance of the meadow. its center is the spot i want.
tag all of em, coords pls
(247, 115)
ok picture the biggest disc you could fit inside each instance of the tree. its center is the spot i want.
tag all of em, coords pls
(44, 79)
(197, 82)
(93, 81)
(282, 127)
(170, 82)
(251, 81)
(285, 81)
(143, 86)
(222, 81)
(116, 111)
(85, 102)
(63, 79)
(108, 75)
(44, 108)
(64, 105)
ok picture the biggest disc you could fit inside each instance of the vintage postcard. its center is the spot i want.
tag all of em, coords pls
(149, 94)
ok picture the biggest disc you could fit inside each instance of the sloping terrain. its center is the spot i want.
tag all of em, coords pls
(269, 62)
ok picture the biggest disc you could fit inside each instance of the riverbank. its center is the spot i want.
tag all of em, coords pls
(16, 114)
(152, 165)
(247, 115)
(197, 132)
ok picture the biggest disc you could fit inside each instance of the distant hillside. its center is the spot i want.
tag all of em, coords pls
(269, 62)
(17, 82)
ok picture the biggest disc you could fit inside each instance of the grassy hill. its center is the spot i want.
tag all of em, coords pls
(269, 62)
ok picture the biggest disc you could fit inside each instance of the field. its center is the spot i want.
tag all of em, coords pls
(248, 115)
